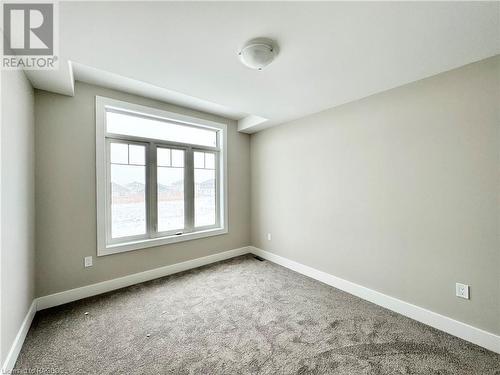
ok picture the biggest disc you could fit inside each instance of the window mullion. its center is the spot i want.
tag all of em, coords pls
(189, 190)
(132, 171)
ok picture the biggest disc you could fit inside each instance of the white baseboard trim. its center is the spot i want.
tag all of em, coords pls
(16, 346)
(106, 286)
(71, 295)
(464, 331)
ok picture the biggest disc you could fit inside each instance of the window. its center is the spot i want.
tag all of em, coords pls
(160, 177)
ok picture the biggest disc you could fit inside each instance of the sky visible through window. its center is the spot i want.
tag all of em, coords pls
(157, 129)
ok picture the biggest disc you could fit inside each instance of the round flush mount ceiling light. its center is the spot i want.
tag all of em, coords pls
(258, 53)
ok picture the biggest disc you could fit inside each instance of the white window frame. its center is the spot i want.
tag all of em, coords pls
(105, 244)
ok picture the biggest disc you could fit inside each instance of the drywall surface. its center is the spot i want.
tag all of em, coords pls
(66, 195)
(18, 204)
(398, 192)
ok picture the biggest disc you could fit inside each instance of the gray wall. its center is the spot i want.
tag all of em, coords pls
(65, 195)
(18, 206)
(398, 192)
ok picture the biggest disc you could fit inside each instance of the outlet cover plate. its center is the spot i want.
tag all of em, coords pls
(462, 290)
(88, 261)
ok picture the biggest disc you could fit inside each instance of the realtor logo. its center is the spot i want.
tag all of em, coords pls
(28, 31)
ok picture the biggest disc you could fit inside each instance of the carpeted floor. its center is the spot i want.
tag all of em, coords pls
(240, 316)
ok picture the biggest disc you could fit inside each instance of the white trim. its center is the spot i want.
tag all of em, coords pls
(472, 334)
(18, 342)
(103, 202)
(124, 106)
(60, 298)
(152, 242)
(101, 171)
(464, 331)
(71, 295)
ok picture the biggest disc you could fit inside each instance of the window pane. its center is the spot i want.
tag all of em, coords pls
(119, 153)
(209, 160)
(128, 200)
(120, 123)
(163, 157)
(171, 195)
(177, 158)
(204, 197)
(199, 159)
(137, 154)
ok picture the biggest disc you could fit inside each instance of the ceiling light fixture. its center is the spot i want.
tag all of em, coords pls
(258, 53)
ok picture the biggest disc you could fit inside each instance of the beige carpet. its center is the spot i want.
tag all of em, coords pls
(240, 316)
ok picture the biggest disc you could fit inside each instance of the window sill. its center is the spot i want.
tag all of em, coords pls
(142, 244)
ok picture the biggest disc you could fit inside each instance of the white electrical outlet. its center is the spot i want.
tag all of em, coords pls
(88, 261)
(269, 236)
(462, 290)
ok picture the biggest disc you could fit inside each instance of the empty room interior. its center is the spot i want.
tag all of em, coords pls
(250, 187)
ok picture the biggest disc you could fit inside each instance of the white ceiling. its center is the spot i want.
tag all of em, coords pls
(330, 52)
